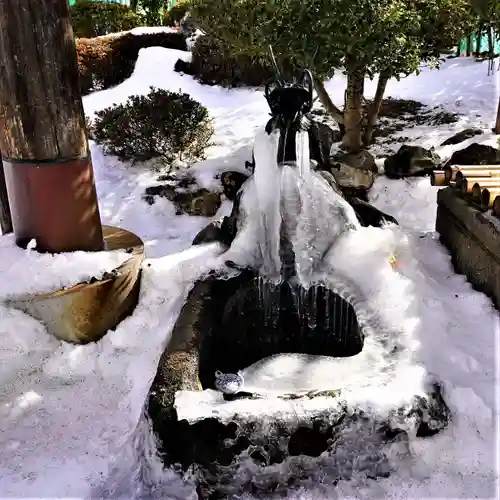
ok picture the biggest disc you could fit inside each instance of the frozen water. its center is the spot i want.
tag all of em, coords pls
(289, 200)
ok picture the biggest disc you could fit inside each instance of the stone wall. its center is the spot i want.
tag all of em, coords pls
(473, 239)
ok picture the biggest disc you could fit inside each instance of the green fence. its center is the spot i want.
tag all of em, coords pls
(483, 46)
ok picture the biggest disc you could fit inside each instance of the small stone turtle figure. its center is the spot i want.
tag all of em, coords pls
(228, 383)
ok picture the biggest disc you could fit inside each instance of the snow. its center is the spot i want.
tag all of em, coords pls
(28, 272)
(71, 415)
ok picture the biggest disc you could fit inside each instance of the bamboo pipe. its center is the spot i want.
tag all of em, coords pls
(438, 178)
(466, 184)
(488, 195)
(476, 170)
(487, 174)
(495, 206)
(476, 192)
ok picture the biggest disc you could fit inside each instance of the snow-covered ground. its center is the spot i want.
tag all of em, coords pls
(68, 413)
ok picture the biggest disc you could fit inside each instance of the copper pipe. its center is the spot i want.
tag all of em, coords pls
(55, 203)
(488, 195)
(495, 206)
(438, 178)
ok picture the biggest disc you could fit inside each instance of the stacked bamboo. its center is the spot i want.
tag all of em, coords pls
(479, 184)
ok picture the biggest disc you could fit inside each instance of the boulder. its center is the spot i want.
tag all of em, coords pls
(321, 139)
(182, 66)
(368, 215)
(462, 136)
(411, 161)
(186, 195)
(232, 182)
(476, 154)
(354, 170)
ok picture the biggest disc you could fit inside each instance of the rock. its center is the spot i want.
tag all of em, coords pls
(178, 368)
(321, 139)
(341, 441)
(187, 197)
(476, 154)
(368, 215)
(209, 234)
(202, 202)
(331, 180)
(468, 133)
(354, 170)
(182, 66)
(232, 182)
(411, 161)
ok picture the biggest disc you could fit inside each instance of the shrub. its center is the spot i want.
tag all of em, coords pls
(93, 56)
(213, 64)
(91, 19)
(176, 13)
(161, 124)
(104, 62)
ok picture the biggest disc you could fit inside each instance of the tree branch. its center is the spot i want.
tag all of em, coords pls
(374, 109)
(330, 108)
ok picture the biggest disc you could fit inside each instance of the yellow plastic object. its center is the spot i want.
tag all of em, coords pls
(85, 312)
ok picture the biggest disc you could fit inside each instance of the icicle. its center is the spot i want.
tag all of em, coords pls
(311, 317)
(267, 179)
(302, 154)
(327, 311)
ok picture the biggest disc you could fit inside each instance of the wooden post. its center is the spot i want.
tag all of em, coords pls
(497, 123)
(5, 217)
(43, 140)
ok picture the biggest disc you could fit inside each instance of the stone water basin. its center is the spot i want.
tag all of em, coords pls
(307, 367)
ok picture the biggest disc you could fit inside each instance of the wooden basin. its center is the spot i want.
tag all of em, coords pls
(85, 312)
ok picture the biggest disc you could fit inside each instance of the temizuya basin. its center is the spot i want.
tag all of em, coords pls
(85, 312)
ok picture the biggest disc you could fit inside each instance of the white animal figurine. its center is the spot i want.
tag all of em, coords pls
(228, 383)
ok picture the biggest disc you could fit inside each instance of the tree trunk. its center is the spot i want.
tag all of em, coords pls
(491, 46)
(43, 140)
(374, 109)
(5, 218)
(479, 39)
(469, 43)
(323, 96)
(497, 124)
(353, 113)
(133, 5)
